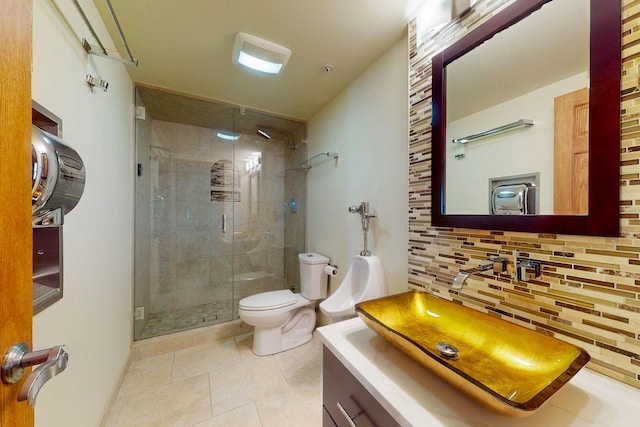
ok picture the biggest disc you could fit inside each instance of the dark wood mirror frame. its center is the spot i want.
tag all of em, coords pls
(604, 127)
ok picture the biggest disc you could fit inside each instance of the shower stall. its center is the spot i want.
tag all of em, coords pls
(220, 209)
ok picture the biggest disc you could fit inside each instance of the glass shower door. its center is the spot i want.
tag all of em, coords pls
(270, 217)
(224, 196)
(185, 192)
(220, 210)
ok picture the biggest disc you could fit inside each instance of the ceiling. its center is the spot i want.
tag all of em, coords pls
(185, 46)
(538, 51)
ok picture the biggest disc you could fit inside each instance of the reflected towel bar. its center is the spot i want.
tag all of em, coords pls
(500, 129)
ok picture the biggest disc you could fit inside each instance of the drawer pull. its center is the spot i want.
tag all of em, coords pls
(346, 415)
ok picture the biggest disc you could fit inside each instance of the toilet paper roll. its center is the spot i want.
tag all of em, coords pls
(330, 270)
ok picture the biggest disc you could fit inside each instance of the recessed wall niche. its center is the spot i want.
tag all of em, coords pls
(47, 241)
(225, 182)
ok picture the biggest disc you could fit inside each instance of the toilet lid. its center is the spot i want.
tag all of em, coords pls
(268, 300)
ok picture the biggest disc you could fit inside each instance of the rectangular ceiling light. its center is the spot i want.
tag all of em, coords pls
(227, 136)
(259, 54)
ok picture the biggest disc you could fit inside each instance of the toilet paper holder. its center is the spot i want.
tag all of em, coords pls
(331, 270)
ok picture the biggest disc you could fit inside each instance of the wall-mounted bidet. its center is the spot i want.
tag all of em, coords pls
(282, 319)
(364, 281)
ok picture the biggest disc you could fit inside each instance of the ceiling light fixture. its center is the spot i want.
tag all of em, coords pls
(259, 54)
(227, 136)
(264, 134)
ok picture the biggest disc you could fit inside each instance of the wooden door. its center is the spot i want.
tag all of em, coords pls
(15, 206)
(571, 154)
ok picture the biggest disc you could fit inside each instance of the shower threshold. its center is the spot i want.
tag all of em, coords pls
(170, 321)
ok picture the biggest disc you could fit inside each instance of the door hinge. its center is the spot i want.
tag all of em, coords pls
(140, 112)
(138, 313)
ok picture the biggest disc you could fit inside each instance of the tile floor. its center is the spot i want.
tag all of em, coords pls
(183, 381)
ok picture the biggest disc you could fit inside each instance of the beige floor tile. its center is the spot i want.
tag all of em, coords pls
(244, 343)
(244, 383)
(182, 403)
(291, 408)
(182, 340)
(110, 420)
(244, 416)
(146, 374)
(302, 366)
(222, 384)
(204, 358)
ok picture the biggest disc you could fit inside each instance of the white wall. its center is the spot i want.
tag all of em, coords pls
(520, 151)
(368, 125)
(94, 318)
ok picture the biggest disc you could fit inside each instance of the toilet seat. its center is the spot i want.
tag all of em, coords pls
(268, 300)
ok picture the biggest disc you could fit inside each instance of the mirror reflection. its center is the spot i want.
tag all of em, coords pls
(533, 80)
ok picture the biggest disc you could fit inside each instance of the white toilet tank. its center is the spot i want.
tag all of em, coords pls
(313, 279)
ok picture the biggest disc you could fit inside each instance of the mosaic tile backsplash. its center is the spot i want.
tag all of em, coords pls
(589, 291)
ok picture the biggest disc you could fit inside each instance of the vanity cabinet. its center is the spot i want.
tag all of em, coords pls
(345, 401)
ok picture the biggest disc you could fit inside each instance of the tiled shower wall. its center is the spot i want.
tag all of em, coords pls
(193, 264)
(589, 292)
(295, 188)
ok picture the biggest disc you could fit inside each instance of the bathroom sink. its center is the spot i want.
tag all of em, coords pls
(510, 369)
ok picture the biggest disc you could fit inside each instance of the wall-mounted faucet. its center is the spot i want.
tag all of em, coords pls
(499, 265)
(463, 275)
(525, 264)
(365, 215)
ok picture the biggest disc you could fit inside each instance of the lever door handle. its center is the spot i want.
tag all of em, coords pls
(52, 361)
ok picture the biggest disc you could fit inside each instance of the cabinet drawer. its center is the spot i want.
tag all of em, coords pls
(346, 400)
(327, 421)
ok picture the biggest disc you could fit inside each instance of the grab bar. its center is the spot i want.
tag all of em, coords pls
(500, 129)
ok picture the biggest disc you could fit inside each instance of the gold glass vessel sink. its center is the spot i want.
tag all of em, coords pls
(510, 369)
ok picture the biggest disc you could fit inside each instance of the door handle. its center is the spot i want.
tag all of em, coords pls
(52, 361)
(224, 223)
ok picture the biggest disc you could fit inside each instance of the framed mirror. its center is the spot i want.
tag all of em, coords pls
(530, 146)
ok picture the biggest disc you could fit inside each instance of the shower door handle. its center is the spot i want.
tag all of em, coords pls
(224, 223)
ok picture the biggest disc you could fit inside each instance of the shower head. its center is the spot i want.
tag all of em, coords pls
(264, 134)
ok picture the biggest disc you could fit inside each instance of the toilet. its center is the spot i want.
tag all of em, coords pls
(282, 319)
(364, 281)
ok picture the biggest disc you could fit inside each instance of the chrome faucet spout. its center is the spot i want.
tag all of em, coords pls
(463, 275)
(459, 280)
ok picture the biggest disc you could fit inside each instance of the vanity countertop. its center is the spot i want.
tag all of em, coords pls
(416, 397)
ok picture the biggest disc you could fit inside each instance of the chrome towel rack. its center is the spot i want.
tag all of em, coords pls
(494, 131)
(99, 50)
